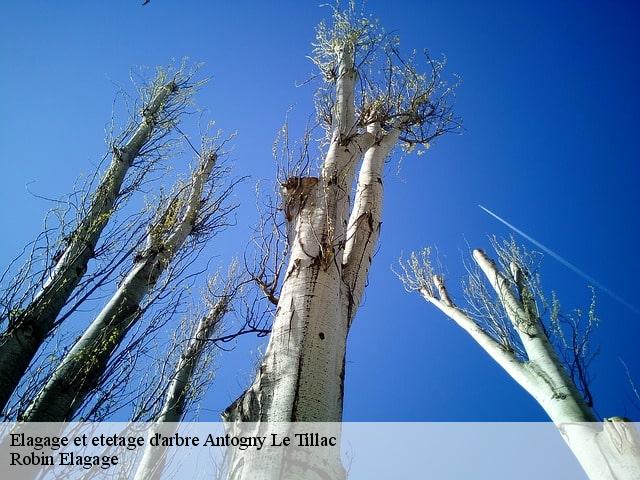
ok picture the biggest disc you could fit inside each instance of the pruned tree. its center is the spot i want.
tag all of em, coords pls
(545, 351)
(369, 102)
(195, 211)
(53, 274)
(192, 372)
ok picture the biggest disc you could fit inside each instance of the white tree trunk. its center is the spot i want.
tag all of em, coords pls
(301, 378)
(82, 367)
(174, 406)
(559, 394)
(365, 220)
(608, 451)
(307, 306)
(332, 240)
(21, 341)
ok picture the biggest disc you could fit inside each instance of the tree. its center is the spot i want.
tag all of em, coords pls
(31, 305)
(183, 384)
(196, 210)
(369, 102)
(545, 351)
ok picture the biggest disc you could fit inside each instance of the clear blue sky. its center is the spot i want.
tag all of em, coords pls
(550, 106)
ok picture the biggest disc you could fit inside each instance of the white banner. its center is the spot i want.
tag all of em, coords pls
(368, 451)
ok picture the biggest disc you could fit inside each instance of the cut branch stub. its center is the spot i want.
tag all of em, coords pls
(442, 290)
(295, 192)
(501, 285)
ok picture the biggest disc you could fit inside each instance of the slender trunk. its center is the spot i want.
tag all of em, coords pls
(609, 451)
(83, 366)
(365, 220)
(27, 332)
(175, 403)
(560, 397)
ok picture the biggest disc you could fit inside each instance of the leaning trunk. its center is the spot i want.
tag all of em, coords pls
(177, 396)
(83, 366)
(30, 328)
(557, 393)
(609, 451)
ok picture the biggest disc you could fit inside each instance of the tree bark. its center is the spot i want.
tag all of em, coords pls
(558, 394)
(606, 451)
(83, 366)
(302, 373)
(175, 403)
(365, 220)
(332, 240)
(301, 377)
(27, 332)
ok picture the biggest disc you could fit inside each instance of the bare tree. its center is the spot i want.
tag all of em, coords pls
(370, 101)
(52, 275)
(192, 373)
(195, 211)
(544, 350)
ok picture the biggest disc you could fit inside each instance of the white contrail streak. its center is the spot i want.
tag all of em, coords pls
(566, 263)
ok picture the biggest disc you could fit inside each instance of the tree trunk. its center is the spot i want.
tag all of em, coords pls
(333, 235)
(606, 451)
(555, 390)
(27, 332)
(301, 378)
(302, 373)
(83, 366)
(175, 403)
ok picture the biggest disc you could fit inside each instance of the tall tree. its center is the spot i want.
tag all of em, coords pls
(370, 101)
(183, 385)
(196, 210)
(548, 359)
(31, 304)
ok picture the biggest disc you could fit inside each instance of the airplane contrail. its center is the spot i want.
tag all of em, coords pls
(567, 264)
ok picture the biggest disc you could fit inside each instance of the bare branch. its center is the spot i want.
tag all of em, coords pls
(196, 210)
(54, 270)
(417, 275)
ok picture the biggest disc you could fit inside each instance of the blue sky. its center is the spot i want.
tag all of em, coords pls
(550, 106)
